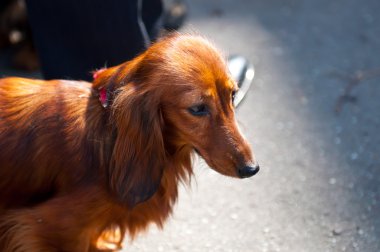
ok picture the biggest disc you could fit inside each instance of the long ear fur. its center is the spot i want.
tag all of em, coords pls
(138, 157)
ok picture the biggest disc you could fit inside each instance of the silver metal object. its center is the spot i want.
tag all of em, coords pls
(243, 72)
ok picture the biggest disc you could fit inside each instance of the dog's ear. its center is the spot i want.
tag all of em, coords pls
(138, 156)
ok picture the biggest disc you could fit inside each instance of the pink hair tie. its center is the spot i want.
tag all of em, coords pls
(102, 90)
(103, 97)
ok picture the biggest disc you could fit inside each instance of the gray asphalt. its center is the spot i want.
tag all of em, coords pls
(319, 186)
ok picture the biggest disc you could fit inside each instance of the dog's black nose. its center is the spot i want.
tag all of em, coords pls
(248, 171)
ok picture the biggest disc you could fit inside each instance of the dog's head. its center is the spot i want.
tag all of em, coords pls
(176, 96)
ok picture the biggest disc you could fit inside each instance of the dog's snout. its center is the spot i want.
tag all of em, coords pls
(248, 171)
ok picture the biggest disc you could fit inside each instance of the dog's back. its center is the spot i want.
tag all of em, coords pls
(34, 134)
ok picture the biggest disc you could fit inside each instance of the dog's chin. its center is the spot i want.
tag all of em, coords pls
(225, 172)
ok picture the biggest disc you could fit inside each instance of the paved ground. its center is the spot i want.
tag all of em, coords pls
(319, 187)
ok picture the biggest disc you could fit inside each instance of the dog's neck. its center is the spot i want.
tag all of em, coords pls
(106, 81)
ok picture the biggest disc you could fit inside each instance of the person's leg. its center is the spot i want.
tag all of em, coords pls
(75, 37)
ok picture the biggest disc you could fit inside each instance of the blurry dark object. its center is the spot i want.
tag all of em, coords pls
(175, 14)
(217, 12)
(353, 80)
(15, 31)
(74, 37)
(15, 34)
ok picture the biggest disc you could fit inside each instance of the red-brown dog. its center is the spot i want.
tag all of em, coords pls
(77, 173)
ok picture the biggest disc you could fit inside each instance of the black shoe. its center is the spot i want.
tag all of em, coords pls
(242, 71)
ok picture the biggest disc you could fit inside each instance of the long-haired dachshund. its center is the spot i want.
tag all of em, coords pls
(82, 164)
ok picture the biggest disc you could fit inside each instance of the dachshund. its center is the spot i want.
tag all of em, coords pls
(84, 164)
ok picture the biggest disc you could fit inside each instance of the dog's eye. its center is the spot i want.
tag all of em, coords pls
(198, 110)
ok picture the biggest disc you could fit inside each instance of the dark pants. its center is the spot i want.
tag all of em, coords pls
(75, 37)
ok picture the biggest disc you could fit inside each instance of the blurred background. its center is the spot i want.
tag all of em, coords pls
(312, 116)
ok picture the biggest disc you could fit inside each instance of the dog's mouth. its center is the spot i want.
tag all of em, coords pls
(213, 166)
(245, 171)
